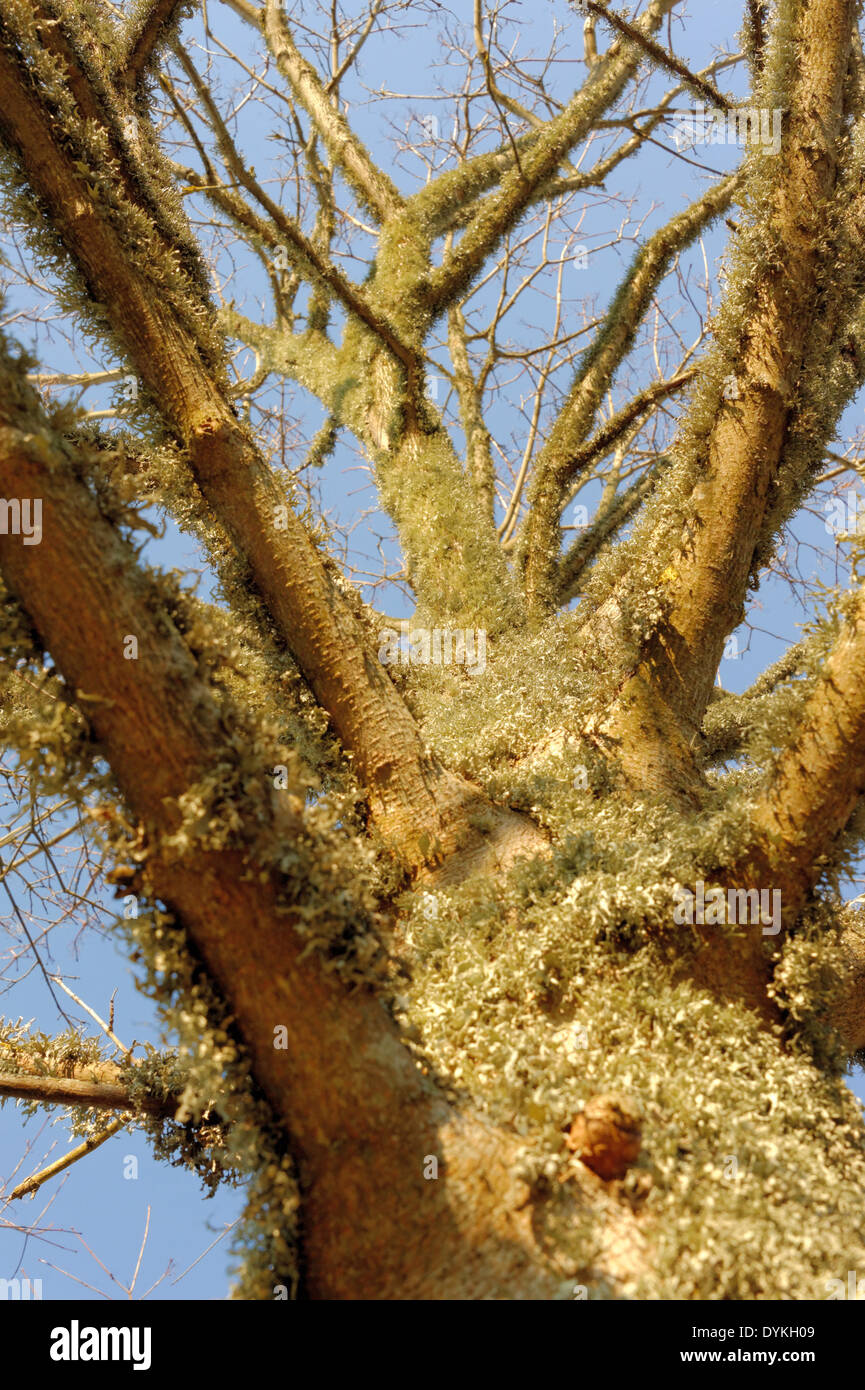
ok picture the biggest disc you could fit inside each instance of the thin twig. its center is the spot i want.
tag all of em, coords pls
(32, 1185)
(87, 1009)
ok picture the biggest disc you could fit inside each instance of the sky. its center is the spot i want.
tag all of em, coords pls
(94, 1220)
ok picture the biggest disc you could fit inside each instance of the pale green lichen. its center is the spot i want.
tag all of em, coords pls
(531, 996)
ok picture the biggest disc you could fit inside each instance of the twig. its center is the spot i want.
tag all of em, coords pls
(31, 1185)
(87, 1009)
(659, 54)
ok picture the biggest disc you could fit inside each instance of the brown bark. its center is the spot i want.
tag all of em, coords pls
(98, 1095)
(423, 812)
(362, 1120)
(707, 578)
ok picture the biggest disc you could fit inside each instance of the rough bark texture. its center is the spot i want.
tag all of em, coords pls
(629, 729)
(412, 798)
(654, 721)
(361, 1117)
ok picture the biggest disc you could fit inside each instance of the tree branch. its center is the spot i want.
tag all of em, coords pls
(500, 98)
(424, 813)
(308, 259)
(585, 549)
(450, 201)
(734, 440)
(360, 1115)
(817, 780)
(32, 1184)
(454, 562)
(150, 26)
(374, 189)
(730, 718)
(558, 462)
(502, 209)
(67, 1090)
(659, 55)
(478, 452)
(638, 409)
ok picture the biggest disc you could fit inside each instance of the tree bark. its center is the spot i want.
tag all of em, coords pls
(705, 582)
(424, 813)
(361, 1117)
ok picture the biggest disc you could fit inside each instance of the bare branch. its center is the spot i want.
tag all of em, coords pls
(305, 255)
(31, 1185)
(500, 211)
(352, 55)
(500, 98)
(559, 460)
(619, 512)
(375, 190)
(106, 1027)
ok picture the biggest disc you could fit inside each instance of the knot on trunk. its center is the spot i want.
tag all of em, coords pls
(606, 1135)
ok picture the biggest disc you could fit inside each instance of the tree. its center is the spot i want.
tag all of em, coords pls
(519, 947)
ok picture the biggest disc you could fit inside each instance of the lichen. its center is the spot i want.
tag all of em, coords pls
(531, 996)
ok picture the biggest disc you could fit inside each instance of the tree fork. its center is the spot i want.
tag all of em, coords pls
(360, 1117)
(424, 813)
(561, 459)
(705, 583)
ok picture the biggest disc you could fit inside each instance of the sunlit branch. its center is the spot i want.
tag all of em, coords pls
(501, 210)
(32, 1184)
(559, 459)
(308, 258)
(376, 191)
(150, 26)
(659, 55)
(603, 528)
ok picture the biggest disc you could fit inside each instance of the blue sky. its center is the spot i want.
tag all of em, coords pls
(97, 1202)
